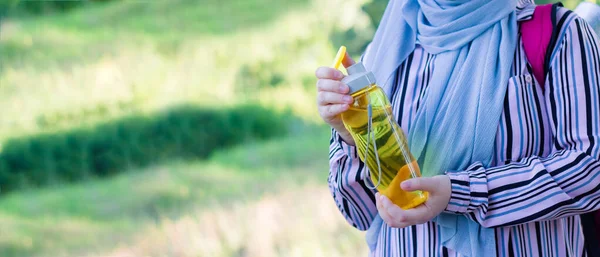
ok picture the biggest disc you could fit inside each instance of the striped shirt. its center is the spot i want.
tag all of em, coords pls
(546, 168)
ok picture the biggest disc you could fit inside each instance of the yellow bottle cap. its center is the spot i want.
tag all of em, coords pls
(339, 57)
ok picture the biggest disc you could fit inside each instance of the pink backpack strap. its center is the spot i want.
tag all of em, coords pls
(536, 34)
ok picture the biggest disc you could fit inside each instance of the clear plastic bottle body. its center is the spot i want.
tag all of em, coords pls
(397, 163)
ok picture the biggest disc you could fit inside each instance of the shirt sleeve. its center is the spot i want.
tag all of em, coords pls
(347, 184)
(565, 183)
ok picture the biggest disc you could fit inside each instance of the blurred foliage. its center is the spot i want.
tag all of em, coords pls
(186, 208)
(51, 121)
(65, 75)
(277, 71)
(183, 132)
(374, 9)
(66, 69)
(356, 41)
(25, 7)
(44, 7)
(357, 38)
(571, 4)
(261, 75)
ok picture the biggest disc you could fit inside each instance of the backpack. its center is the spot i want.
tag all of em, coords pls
(538, 34)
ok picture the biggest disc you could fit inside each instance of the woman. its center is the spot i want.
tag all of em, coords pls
(516, 160)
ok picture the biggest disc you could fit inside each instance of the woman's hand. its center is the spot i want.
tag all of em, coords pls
(439, 189)
(333, 98)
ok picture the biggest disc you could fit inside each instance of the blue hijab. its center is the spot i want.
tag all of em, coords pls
(474, 43)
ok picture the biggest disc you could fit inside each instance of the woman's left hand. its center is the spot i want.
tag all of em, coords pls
(439, 189)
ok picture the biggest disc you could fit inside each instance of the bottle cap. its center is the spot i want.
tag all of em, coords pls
(358, 77)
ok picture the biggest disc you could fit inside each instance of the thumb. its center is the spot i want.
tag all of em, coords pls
(348, 61)
(425, 184)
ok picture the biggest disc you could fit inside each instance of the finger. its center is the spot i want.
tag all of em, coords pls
(378, 202)
(405, 218)
(332, 86)
(328, 73)
(385, 216)
(412, 216)
(383, 212)
(424, 183)
(348, 61)
(385, 201)
(332, 110)
(393, 210)
(326, 98)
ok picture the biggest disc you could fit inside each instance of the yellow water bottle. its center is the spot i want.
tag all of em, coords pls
(380, 141)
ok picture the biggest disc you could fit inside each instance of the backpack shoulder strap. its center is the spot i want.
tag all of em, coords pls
(536, 34)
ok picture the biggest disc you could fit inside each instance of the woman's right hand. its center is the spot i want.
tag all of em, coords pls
(333, 98)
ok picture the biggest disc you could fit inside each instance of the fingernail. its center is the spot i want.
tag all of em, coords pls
(343, 88)
(405, 184)
(385, 203)
(348, 98)
(339, 75)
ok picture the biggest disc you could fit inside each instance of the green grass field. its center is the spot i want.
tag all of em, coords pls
(262, 199)
(105, 61)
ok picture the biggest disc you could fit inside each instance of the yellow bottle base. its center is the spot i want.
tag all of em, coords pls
(405, 200)
(423, 196)
(417, 198)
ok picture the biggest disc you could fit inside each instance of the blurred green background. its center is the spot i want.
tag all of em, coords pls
(171, 128)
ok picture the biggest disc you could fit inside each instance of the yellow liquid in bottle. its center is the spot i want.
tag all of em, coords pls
(397, 163)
